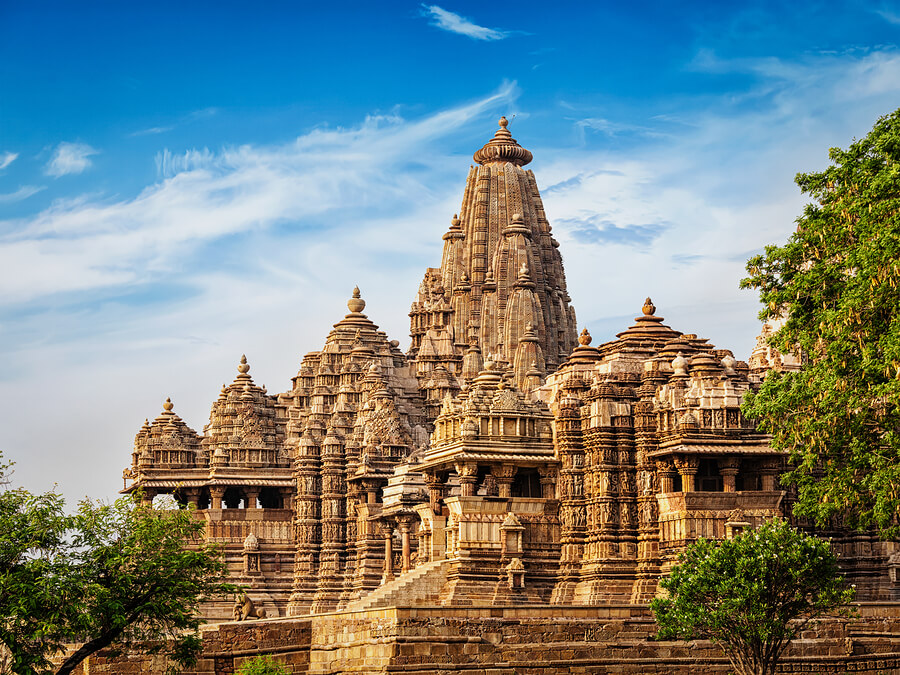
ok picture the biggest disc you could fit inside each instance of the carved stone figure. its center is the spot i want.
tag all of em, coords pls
(244, 608)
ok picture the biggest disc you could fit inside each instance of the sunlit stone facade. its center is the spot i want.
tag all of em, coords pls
(502, 460)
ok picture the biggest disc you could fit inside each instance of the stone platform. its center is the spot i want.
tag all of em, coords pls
(526, 640)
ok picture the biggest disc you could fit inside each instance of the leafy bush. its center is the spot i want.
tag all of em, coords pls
(262, 665)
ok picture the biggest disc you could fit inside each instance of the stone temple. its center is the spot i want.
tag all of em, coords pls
(503, 460)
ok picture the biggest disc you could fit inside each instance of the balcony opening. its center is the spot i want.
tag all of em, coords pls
(233, 499)
(270, 498)
(708, 478)
(527, 483)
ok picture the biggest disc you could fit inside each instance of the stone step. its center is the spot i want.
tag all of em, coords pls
(421, 583)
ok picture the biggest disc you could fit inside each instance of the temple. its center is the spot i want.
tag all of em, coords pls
(504, 459)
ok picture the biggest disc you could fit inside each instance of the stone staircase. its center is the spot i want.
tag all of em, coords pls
(421, 585)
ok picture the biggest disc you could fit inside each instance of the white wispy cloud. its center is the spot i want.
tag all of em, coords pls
(255, 248)
(23, 192)
(889, 15)
(344, 177)
(678, 212)
(151, 131)
(454, 23)
(7, 158)
(218, 253)
(69, 158)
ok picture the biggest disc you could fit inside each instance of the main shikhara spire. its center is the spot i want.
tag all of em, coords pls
(501, 282)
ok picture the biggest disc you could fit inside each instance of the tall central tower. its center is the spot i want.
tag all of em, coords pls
(500, 291)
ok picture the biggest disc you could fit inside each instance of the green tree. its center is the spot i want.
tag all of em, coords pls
(837, 279)
(262, 665)
(116, 576)
(35, 588)
(753, 594)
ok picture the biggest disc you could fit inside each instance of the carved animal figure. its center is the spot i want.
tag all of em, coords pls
(244, 609)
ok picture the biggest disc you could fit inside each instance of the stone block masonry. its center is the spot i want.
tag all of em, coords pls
(523, 640)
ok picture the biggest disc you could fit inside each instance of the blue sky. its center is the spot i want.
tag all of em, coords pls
(181, 183)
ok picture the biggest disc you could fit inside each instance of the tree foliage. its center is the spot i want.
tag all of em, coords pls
(262, 665)
(116, 576)
(837, 280)
(35, 591)
(751, 595)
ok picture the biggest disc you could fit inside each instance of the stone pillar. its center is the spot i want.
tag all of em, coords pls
(147, 497)
(435, 491)
(548, 482)
(728, 467)
(666, 472)
(504, 475)
(286, 498)
(388, 531)
(468, 477)
(216, 494)
(252, 494)
(404, 539)
(424, 551)
(768, 470)
(687, 465)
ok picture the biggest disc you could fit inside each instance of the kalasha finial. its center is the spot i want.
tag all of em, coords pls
(356, 304)
(243, 367)
(523, 270)
(585, 337)
(503, 148)
(649, 308)
(517, 218)
(168, 405)
(454, 221)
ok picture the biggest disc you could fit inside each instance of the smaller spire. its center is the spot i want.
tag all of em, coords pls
(489, 283)
(517, 226)
(648, 326)
(523, 279)
(584, 353)
(455, 231)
